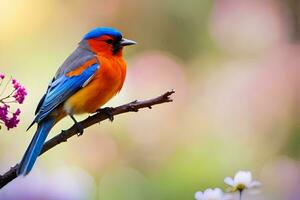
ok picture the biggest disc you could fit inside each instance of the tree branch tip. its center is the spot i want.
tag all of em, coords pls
(169, 93)
(172, 91)
(170, 100)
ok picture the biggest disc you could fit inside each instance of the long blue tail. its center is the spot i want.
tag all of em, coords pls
(35, 146)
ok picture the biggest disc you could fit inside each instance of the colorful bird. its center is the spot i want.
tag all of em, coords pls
(90, 76)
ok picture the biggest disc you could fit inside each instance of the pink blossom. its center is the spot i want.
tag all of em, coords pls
(3, 112)
(13, 121)
(16, 84)
(20, 94)
(7, 117)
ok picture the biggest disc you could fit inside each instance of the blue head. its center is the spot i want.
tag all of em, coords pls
(101, 31)
(106, 39)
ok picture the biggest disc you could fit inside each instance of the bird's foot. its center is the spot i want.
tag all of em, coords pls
(78, 126)
(80, 129)
(108, 112)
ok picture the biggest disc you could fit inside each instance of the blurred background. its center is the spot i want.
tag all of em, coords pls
(235, 68)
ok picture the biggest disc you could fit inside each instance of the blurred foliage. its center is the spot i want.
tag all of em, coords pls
(292, 146)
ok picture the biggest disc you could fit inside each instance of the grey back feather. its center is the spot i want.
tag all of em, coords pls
(81, 55)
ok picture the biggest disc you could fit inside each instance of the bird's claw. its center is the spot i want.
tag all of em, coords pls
(80, 129)
(108, 112)
(78, 126)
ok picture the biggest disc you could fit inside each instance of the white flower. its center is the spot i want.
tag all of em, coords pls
(242, 180)
(209, 194)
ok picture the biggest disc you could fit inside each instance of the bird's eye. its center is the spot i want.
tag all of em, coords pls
(110, 41)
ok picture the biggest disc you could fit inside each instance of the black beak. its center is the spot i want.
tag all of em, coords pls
(126, 42)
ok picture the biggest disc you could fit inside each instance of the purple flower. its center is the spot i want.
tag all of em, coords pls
(10, 122)
(3, 112)
(7, 117)
(17, 113)
(16, 84)
(13, 121)
(19, 94)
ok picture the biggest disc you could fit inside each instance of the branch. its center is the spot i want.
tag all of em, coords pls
(91, 120)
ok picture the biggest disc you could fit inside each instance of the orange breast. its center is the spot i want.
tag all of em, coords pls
(106, 83)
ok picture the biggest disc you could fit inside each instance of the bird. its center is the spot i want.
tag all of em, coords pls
(87, 79)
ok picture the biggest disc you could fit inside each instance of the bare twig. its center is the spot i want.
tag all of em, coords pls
(96, 118)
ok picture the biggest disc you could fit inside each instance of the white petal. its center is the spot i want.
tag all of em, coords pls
(199, 195)
(213, 194)
(218, 193)
(207, 192)
(254, 184)
(229, 181)
(243, 177)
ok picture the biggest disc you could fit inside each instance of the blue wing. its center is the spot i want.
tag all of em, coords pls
(81, 55)
(61, 89)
